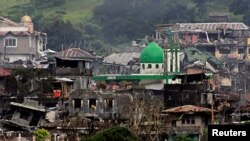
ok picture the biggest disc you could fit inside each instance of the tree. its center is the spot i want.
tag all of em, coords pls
(46, 3)
(182, 137)
(202, 9)
(115, 133)
(145, 116)
(60, 33)
(122, 21)
(42, 134)
(241, 7)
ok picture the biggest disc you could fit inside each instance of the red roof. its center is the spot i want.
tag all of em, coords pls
(4, 72)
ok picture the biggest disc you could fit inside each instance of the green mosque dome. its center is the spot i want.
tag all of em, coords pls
(153, 53)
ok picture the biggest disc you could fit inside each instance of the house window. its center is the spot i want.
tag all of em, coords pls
(157, 66)
(10, 42)
(224, 50)
(188, 120)
(108, 103)
(77, 103)
(92, 103)
(7, 59)
(143, 66)
(149, 66)
(24, 115)
(241, 50)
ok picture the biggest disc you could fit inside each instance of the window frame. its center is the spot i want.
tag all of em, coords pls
(7, 39)
(149, 66)
(157, 66)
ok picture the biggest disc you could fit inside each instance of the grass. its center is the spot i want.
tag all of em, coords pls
(77, 11)
(5, 4)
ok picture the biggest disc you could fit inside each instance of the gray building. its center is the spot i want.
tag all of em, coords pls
(20, 41)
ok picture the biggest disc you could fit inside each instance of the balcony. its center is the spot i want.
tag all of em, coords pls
(184, 129)
(73, 72)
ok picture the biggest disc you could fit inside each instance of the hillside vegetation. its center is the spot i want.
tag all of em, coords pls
(104, 24)
(76, 11)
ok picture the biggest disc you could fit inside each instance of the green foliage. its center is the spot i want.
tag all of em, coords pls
(42, 134)
(113, 134)
(46, 3)
(182, 137)
(123, 21)
(241, 7)
(103, 24)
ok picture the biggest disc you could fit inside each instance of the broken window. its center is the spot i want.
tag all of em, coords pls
(24, 115)
(188, 120)
(108, 103)
(224, 50)
(92, 103)
(77, 103)
(35, 120)
(241, 50)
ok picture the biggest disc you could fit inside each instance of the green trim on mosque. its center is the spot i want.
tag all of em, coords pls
(133, 77)
(153, 53)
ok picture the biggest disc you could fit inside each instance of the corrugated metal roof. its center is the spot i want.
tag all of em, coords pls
(15, 33)
(121, 58)
(76, 53)
(4, 72)
(187, 108)
(211, 26)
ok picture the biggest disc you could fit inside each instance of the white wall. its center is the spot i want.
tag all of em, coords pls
(13, 58)
(152, 70)
(6, 29)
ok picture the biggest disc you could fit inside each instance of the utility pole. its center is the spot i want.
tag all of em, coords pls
(212, 110)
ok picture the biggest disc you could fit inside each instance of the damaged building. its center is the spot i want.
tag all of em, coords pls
(27, 116)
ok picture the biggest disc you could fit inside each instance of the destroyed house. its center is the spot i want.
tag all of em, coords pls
(107, 105)
(189, 119)
(27, 116)
(191, 91)
(74, 61)
(220, 39)
(75, 64)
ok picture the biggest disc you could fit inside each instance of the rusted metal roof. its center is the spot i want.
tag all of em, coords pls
(210, 26)
(4, 72)
(74, 53)
(15, 33)
(187, 108)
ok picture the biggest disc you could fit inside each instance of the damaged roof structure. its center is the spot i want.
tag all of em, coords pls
(27, 116)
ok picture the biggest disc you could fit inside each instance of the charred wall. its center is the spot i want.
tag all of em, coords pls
(184, 94)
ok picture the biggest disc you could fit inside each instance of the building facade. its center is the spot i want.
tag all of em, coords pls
(20, 41)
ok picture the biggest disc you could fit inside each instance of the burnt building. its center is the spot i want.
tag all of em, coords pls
(191, 91)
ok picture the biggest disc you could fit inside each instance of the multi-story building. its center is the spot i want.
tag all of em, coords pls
(20, 41)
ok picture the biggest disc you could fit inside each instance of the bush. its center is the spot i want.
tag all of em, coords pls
(115, 133)
(42, 134)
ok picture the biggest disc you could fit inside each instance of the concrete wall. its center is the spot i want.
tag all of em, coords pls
(152, 70)
(199, 121)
